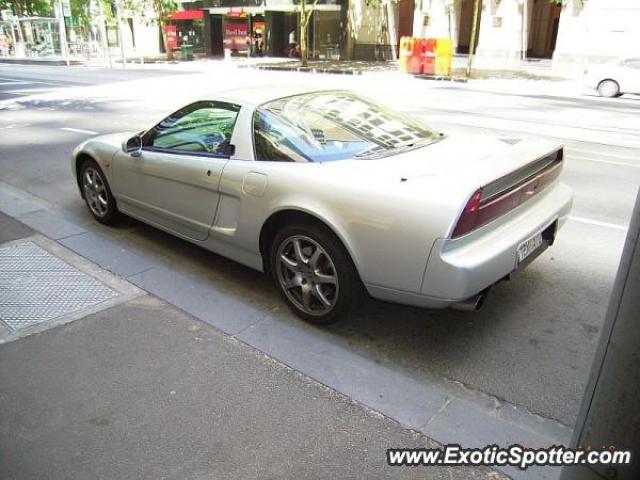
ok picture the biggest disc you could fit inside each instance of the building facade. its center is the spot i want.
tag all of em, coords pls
(270, 27)
(571, 32)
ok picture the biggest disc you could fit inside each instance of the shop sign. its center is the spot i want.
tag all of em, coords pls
(235, 36)
(172, 36)
(236, 13)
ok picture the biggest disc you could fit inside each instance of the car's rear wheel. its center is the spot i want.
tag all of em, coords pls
(314, 273)
(97, 193)
(609, 88)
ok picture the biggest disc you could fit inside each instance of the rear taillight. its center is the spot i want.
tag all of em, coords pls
(481, 209)
(469, 217)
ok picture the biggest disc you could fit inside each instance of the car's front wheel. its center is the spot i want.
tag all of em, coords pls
(97, 193)
(314, 273)
(609, 88)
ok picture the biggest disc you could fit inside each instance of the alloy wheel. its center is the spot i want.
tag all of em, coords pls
(608, 88)
(307, 275)
(95, 191)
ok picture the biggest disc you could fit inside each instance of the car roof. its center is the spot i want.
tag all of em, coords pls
(256, 96)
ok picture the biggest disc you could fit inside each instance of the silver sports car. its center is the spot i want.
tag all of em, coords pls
(333, 196)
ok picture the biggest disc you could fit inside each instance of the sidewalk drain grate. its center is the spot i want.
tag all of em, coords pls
(36, 286)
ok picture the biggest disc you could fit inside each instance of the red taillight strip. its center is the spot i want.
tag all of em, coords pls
(479, 212)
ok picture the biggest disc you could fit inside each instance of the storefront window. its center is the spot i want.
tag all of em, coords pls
(326, 35)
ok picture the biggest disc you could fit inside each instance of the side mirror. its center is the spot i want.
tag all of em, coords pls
(133, 146)
(229, 150)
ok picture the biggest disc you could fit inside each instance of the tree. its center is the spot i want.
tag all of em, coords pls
(25, 8)
(472, 43)
(163, 10)
(305, 16)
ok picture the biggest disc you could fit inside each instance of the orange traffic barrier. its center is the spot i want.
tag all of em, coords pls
(406, 51)
(444, 57)
(444, 47)
(428, 56)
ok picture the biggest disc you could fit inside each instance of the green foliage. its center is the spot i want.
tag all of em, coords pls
(41, 8)
(45, 8)
(162, 8)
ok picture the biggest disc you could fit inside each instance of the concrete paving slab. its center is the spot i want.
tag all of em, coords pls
(142, 390)
(210, 305)
(53, 226)
(462, 419)
(14, 202)
(360, 378)
(108, 254)
(11, 229)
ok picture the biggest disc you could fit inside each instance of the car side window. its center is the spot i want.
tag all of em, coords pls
(200, 128)
(272, 143)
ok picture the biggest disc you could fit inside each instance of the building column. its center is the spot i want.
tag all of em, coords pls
(501, 29)
(435, 19)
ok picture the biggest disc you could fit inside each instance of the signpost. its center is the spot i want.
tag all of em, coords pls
(60, 14)
(120, 37)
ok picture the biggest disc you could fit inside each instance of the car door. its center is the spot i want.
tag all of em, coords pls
(631, 76)
(173, 182)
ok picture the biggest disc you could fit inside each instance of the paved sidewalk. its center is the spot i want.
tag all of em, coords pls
(143, 390)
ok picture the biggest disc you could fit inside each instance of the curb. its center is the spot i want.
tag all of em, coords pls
(34, 61)
(441, 78)
(334, 71)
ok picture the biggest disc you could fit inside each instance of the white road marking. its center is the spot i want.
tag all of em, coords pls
(79, 130)
(571, 150)
(609, 162)
(598, 223)
(14, 125)
(19, 80)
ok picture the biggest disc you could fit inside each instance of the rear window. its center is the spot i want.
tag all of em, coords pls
(328, 126)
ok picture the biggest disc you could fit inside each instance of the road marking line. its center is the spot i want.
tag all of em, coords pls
(79, 130)
(598, 223)
(610, 162)
(23, 80)
(14, 125)
(571, 150)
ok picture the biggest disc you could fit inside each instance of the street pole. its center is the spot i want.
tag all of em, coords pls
(103, 34)
(610, 411)
(393, 34)
(472, 41)
(525, 28)
(120, 37)
(63, 35)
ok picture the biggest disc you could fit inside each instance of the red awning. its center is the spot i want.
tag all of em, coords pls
(187, 15)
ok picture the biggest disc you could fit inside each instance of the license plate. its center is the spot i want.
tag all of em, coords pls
(529, 246)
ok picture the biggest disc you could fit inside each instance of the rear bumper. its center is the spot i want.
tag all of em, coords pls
(459, 269)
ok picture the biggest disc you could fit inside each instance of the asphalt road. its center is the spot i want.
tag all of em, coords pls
(533, 342)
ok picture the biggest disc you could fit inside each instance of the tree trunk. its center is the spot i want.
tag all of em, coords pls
(304, 20)
(391, 29)
(303, 43)
(472, 42)
(165, 40)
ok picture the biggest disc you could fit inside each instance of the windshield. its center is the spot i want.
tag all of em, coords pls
(327, 126)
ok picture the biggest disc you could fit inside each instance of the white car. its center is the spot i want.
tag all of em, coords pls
(329, 192)
(613, 79)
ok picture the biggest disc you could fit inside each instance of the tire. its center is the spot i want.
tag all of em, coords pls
(317, 280)
(608, 88)
(97, 194)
